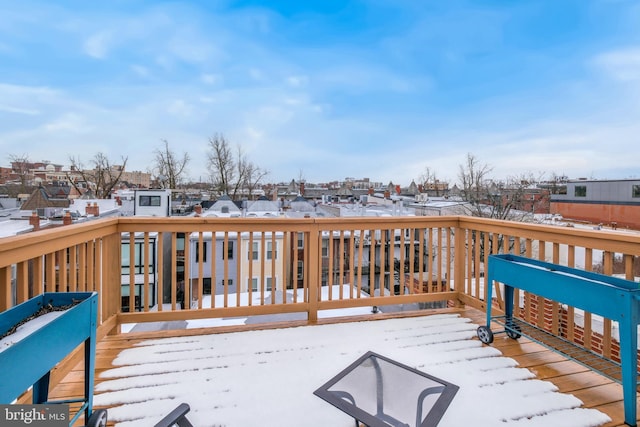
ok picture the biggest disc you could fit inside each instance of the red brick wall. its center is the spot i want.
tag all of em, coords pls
(597, 338)
(623, 215)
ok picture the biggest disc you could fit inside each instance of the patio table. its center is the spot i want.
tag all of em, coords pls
(381, 392)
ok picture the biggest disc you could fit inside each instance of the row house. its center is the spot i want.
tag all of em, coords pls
(225, 262)
(139, 267)
(378, 258)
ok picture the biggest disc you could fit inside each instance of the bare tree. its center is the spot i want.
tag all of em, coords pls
(221, 163)
(430, 182)
(233, 174)
(20, 164)
(168, 167)
(557, 183)
(254, 177)
(474, 189)
(102, 178)
(515, 198)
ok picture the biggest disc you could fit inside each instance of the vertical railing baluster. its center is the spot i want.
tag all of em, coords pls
(571, 312)
(588, 266)
(160, 251)
(146, 264)
(6, 297)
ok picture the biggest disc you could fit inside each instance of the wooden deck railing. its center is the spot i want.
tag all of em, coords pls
(277, 265)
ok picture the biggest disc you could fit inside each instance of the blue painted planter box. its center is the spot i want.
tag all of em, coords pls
(29, 361)
(614, 298)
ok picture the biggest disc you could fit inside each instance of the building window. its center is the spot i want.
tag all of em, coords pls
(229, 281)
(635, 191)
(180, 238)
(204, 252)
(253, 254)
(149, 200)
(254, 284)
(229, 250)
(580, 191)
(138, 258)
(271, 251)
(300, 241)
(325, 248)
(206, 285)
(325, 276)
(300, 269)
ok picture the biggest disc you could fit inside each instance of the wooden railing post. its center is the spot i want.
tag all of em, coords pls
(109, 287)
(314, 273)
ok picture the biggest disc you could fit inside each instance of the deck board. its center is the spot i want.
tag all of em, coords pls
(595, 390)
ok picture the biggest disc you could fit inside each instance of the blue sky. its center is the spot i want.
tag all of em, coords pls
(328, 89)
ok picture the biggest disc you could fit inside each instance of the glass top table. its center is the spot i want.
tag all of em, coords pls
(380, 392)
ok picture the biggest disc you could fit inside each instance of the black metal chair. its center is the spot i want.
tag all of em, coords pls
(176, 417)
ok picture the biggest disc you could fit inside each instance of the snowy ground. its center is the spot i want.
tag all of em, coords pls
(267, 378)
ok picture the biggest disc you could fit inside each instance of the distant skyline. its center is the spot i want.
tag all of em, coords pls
(327, 89)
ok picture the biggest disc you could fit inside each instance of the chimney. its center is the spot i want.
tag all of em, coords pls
(34, 220)
(198, 209)
(370, 191)
(387, 194)
(92, 209)
(302, 188)
(66, 219)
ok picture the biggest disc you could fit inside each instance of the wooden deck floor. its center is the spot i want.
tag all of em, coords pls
(596, 391)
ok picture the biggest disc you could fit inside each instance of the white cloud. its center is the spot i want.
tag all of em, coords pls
(297, 81)
(98, 45)
(210, 79)
(18, 110)
(68, 122)
(16, 92)
(190, 47)
(140, 70)
(622, 64)
(180, 107)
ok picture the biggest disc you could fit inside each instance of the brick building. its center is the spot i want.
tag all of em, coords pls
(610, 202)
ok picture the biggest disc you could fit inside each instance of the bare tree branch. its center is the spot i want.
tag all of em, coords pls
(168, 167)
(221, 164)
(101, 179)
(474, 187)
(232, 174)
(20, 166)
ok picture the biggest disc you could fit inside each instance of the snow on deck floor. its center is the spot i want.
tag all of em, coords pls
(267, 378)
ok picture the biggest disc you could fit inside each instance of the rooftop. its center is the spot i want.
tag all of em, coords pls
(275, 366)
(239, 377)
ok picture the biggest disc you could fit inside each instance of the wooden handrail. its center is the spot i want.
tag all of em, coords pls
(370, 254)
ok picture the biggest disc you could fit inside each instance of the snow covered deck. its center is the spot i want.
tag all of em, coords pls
(267, 377)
